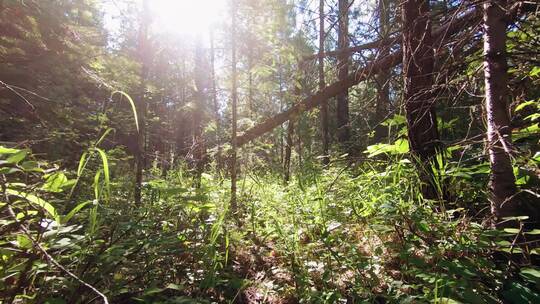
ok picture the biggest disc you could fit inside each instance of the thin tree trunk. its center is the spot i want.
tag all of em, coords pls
(288, 150)
(342, 111)
(217, 118)
(234, 97)
(502, 184)
(141, 106)
(418, 63)
(250, 80)
(198, 140)
(322, 86)
(383, 78)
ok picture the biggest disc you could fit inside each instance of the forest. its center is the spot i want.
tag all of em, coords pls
(270, 151)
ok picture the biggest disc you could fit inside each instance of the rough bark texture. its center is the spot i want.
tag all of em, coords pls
(322, 85)
(141, 104)
(502, 181)
(418, 63)
(342, 109)
(383, 78)
(359, 75)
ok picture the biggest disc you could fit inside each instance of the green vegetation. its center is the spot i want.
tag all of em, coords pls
(85, 110)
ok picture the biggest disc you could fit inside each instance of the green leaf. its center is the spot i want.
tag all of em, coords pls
(82, 163)
(55, 182)
(133, 108)
(35, 201)
(175, 287)
(443, 300)
(531, 274)
(535, 71)
(17, 157)
(4, 150)
(522, 105)
(518, 294)
(511, 230)
(105, 169)
(400, 146)
(396, 120)
(74, 211)
(24, 241)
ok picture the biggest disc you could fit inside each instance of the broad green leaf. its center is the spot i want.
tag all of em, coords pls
(35, 201)
(531, 272)
(511, 230)
(24, 241)
(4, 150)
(400, 146)
(533, 232)
(55, 182)
(518, 294)
(17, 157)
(396, 120)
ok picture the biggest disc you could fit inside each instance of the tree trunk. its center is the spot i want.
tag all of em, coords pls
(219, 163)
(502, 184)
(322, 86)
(361, 74)
(342, 111)
(288, 151)
(383, 78)
(234, 97)
(141, 106)
(418, 62)
(200, 102)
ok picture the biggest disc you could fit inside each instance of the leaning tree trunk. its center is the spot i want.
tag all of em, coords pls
(141, 106)
(342, 111)
(502, 181)
(418, 62)
(322, 86)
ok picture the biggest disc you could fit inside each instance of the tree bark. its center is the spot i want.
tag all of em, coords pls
(141, 106)
(383, 78)
(322, 86)
(502, 184)
(418, 68)
(342, 111)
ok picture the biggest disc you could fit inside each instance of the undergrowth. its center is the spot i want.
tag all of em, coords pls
(346, 234)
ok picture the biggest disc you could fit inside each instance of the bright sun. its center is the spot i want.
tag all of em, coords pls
(192, 17)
